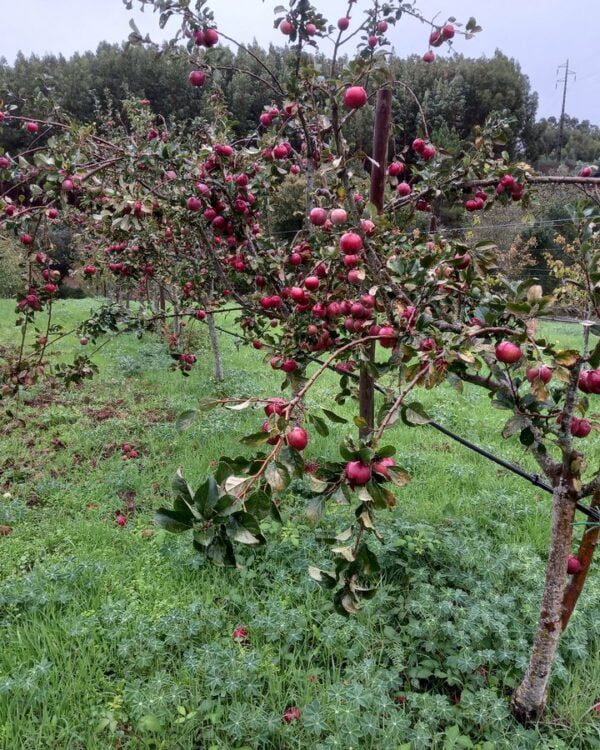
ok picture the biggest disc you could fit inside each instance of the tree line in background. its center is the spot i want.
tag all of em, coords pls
(451, 96)
(455, 93)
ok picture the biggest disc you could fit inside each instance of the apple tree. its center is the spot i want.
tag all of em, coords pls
(371, 287)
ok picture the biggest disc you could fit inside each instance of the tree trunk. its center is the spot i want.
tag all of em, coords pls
(585, 553)
(214, 345)
(529, 698)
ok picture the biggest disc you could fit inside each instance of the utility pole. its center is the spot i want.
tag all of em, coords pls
(565, 82)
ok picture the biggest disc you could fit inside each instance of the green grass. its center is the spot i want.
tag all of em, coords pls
(121, 637)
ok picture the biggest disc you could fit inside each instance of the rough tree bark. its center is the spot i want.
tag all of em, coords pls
(530, 697)
(214, 345)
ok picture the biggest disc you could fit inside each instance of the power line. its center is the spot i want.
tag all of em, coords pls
(565, 82)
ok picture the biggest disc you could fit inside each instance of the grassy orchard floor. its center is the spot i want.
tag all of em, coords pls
(114, 637)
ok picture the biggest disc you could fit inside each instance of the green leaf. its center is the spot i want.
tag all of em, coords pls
(183, 495)
(513, 426)
(258, 504)
(226, 505)
(399, 476)
(414, 414)
(319, 425)
(238, 407)
(205, 537)
(333, 417)
(595, 356)
(257, 438)
(206, 497)
(206, 404)
(172, 520)
(186, 419)
(278, 476)
(367, 560)
(527, 437)
(567, 357)
(221, 552)
(150, 723)
(244, 528)
(344, 603)
(327, 580)
(315, 508)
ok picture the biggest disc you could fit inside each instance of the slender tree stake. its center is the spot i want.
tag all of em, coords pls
(381, 135)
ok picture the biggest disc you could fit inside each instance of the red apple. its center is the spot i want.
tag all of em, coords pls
(32, 127)
(350, 243)
(297, 438)
(197, 78)
(338, 216)
(193, 203)
(318, 216)
(462, 261)
(367, 226)
(593, 381)
(240, 634)
(508, 352)
(291, 714)
(580, 428)
(286, 27)
(357, 473)
(396, 168)
(403, 189)
(343, 23)
(355, 97)
(586, 172)
(448, 31)
(388, 337)
(311, 283)
(275, 406)
(428, 152)
(574, 565)
(381, 467)
(289, 365)
(211, 37)
(542, 372)
(429, 56)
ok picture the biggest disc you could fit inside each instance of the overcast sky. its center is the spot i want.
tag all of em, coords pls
(540, 34)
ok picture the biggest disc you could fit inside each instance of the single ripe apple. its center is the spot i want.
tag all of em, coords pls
(508, 352)
(197, 78)
(350, 243)
(338, 216)
(357, 473)
(297, 438)
(318, 216)
(355, 97)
